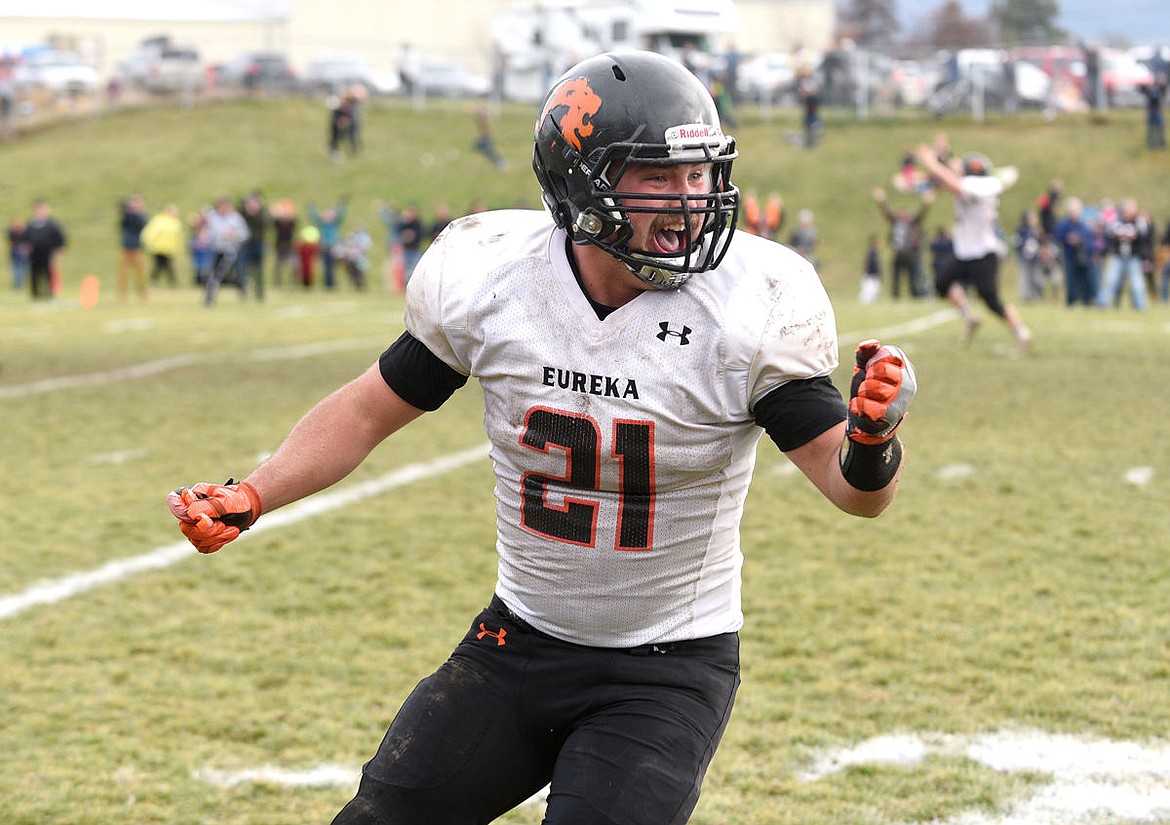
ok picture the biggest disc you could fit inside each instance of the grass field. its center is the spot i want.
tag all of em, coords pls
(993, 649)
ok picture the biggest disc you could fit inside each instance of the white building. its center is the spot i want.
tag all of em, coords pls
(104, 33)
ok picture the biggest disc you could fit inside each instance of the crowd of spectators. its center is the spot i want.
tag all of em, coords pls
(1091, 253)
(1064, 248)
(244, 243)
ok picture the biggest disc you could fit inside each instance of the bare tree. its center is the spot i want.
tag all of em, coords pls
(870, 22)
(1026, 21)
(951, 28)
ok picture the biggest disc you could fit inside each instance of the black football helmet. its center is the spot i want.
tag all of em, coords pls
(626, 107)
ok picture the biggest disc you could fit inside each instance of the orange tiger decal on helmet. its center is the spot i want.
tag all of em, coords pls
(581, 104)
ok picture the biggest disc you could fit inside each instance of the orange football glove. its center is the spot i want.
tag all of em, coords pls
(211, 515)
(883, 384)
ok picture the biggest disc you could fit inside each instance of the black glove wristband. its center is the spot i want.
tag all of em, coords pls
(870, 467)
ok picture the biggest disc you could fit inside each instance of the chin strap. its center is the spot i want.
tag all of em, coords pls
(660, 278)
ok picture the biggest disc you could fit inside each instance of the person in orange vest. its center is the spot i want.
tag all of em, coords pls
(766, 220)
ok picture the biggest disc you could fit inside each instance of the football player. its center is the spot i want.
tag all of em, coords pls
(632, 348)
(976, 187)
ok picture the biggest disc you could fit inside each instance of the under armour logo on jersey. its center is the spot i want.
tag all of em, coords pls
(499, 637)
(682, 336)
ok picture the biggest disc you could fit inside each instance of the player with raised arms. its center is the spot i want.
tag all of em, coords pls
(632, 348)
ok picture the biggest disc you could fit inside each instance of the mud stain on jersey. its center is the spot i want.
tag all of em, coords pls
(815, 333)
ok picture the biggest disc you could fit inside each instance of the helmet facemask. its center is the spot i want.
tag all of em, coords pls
(702, 222)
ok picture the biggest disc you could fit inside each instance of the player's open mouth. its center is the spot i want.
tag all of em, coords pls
(670, 238)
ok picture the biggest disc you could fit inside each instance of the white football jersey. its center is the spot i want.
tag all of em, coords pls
(622, 447)
(976, 210)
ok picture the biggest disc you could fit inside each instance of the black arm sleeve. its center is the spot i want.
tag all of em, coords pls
(419, 377)
(870, 467)
(795, 413)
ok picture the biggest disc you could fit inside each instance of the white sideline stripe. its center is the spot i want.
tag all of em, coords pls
(934, 319)
(69, 382)
(1085, 779)
(319, 348)
(119, 456)
(128, 325)
(949, 472)
(149, 368)
(1139, 476)
(321, 776)
(56, 590)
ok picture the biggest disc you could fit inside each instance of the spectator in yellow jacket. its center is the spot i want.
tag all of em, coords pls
(163, 238)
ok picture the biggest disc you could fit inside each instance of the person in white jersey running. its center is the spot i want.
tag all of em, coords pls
(976, 187)
(632, 348)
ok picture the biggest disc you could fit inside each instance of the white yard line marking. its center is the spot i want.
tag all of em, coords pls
(950, 472)
(92, 379)
(119, 456)
(1116, 326)
(1084, 779)
(934, 319)
(1139, 476)
(57, 590)
(321, 776)
(149, 368)
(128, 325)
(318, 348)
(1089, 780)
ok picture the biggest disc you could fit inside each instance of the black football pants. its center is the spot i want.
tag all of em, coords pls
(624, 736)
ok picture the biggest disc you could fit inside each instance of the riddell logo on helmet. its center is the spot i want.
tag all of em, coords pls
(581, 104)
(692, 132)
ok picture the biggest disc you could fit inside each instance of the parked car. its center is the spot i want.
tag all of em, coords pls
(259, 71)
(334, 74)
(440, 77)
(986, 77)
(1062, 63)
(914, 80)
(1123, 77)
(61, 73)
(159, 65)
(1122, 74)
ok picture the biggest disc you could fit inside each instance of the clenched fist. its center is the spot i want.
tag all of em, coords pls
(211, 515)
(883, 384)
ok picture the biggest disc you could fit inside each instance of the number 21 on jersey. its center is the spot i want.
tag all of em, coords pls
(575, 520)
